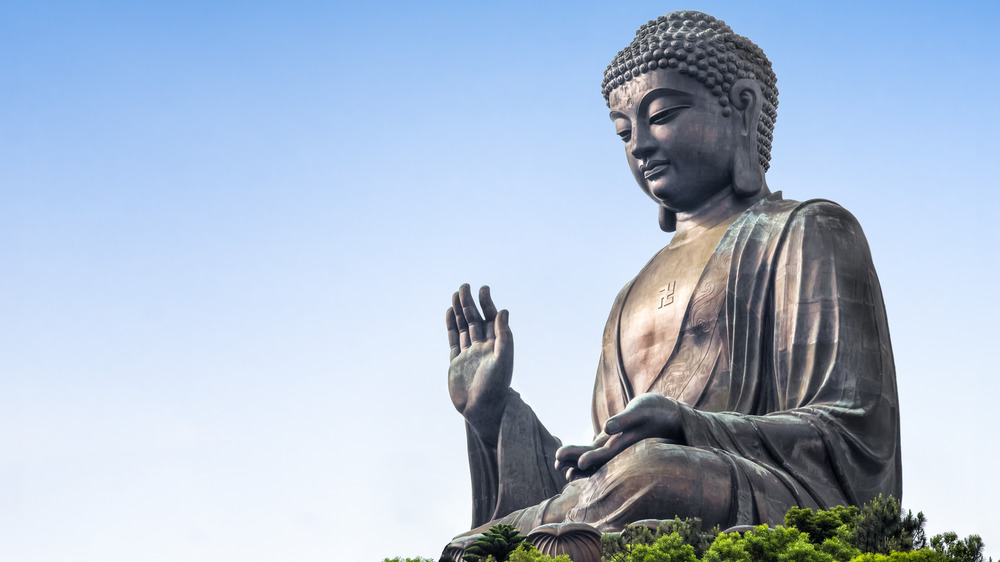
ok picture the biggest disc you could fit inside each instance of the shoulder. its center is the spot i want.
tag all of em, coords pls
(776, 226)
(819, 229)
(798, 214)
(817, 217)
(820, 218)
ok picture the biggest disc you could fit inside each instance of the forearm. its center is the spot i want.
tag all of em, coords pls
(518, 469)
(485, 421)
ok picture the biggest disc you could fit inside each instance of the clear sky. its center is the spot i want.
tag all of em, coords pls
(229, 232)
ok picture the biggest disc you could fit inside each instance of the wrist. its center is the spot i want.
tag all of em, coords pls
(486, 421)
(676, 426)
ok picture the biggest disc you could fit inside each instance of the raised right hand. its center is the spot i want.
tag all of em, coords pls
(482, 360)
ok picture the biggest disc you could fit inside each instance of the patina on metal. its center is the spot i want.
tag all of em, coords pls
(745, 369)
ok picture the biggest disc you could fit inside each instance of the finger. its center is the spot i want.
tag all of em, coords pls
(486, 301)
(594, 459)
(491, 330)
(567, 455)
(620, 422)
(505, 339)
(471, 312)
(463, 326)
(489, 312)
(598, 457)
(453, 342)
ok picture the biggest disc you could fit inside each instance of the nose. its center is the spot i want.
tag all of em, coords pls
(642, 142)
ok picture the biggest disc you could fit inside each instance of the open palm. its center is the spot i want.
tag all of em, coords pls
(482, 359)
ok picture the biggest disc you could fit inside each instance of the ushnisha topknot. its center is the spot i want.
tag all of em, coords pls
(706, 49)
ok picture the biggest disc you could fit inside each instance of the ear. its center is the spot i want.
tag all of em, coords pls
(748, 174)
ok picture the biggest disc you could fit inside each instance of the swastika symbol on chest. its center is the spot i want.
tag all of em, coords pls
(667, 295)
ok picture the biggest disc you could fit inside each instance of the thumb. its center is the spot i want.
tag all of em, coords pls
(612, 426)
(505, 339)
(618, 423)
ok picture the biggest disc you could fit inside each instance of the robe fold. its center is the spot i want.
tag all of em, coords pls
(782, 368)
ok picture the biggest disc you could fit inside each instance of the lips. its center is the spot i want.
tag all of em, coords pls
(654, 168)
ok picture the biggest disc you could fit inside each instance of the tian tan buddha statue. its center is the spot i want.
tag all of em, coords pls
(745, 369)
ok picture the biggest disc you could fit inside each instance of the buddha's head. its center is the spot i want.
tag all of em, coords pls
(695, 104)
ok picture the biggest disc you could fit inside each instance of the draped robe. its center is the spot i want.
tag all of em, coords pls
(782, 369)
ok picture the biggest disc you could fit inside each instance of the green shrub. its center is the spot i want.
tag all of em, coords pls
(821, 524)
(616, 546)
(498, 542)
(526, 552)
(969, 549)
(668, 548)
(922, 555)
(762, 544)
(877, 532)
(881, 528)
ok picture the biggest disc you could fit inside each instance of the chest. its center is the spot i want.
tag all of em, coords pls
(655, 308)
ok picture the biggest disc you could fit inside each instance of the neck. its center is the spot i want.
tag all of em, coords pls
(720, 208)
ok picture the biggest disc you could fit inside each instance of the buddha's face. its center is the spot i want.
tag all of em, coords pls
(678, 143)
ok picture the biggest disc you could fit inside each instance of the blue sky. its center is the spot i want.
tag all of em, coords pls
(229, 232)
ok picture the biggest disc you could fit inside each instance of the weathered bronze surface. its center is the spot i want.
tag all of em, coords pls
(579, 541)
(745, 369)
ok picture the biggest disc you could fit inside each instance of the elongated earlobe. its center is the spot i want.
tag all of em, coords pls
(748, 174)
(668, 220)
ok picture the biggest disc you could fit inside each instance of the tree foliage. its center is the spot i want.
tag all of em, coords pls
(526, 552)
(969, 549)
(498, 542)
(617, 546)
(878, 531)
(667, 548)
(821, 524)
(921, 555)
(881, 527)
(762, 544)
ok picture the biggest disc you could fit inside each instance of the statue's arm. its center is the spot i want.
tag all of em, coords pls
(828, 410)
(519, 471)
(511, 454)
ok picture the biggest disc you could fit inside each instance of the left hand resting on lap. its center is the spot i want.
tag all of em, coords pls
(649, 415)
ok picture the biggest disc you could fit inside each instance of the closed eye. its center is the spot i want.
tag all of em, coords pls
(625, 134)
(665, 116)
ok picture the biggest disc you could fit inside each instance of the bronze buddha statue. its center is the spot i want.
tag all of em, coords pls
(745, 369)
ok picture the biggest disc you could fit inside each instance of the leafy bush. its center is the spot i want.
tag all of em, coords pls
(498, 542)
(762, 544)
(839, 547)
(881, 528)
(922, 555)
(668, 548)
(616, 546)
(830, 531)
(526, 552)
(968, 550)
(821, 524)
(879, 531)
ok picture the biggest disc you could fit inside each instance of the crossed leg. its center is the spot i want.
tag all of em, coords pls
(654, 479)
